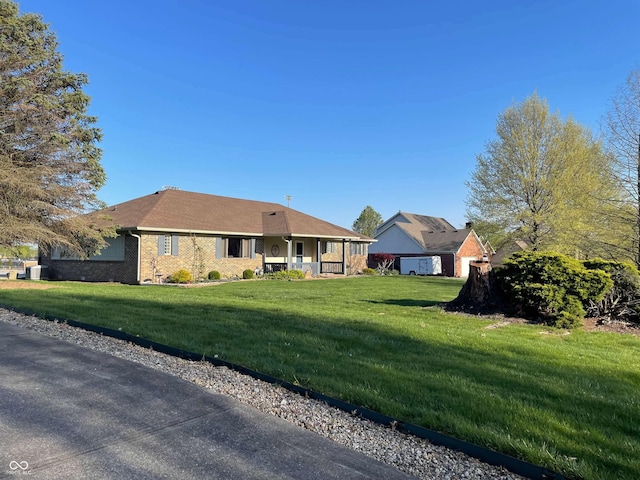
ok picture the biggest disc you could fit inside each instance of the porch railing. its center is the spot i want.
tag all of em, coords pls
(274, 267)
(332, 267)
(325, 267)
(305, 267)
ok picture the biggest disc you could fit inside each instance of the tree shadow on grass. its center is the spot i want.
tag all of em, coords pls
(407, 302)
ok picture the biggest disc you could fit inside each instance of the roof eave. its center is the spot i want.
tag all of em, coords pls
(248, 234)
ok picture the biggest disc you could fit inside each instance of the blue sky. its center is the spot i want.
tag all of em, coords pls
(338, 103)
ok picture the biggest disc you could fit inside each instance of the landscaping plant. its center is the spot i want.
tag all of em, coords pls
(180, 276)
(550, 287)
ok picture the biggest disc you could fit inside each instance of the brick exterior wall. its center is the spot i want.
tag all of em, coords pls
(195, 254)
(355, 263)
(470, 248)
(96, 270)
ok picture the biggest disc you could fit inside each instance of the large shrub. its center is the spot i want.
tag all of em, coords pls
(180, 276)
(550, 287)
(623, 299)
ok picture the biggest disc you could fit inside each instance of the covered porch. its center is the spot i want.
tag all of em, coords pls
(314, 255)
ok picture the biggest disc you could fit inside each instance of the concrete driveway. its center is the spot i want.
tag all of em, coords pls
(68, 412)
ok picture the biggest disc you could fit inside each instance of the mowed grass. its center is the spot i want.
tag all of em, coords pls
(566, 401)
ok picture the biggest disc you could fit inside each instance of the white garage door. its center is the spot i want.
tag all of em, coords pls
(465, 265)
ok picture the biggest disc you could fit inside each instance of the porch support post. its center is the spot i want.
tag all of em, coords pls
(344, 256)
(319, 255)
(289, 252)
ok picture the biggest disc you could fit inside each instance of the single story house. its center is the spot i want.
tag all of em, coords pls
(411, 235)
(172, 229)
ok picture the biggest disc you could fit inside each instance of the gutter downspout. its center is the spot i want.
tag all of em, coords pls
(138, 255)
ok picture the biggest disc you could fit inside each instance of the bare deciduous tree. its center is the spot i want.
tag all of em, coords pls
(622, 131)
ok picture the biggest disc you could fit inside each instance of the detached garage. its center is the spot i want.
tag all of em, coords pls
(410, 235)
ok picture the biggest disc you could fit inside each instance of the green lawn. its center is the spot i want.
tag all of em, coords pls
(569, 402)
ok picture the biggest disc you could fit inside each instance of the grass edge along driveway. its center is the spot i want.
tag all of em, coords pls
(566, 401)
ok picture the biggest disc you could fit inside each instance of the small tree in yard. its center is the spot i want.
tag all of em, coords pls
(384, 262)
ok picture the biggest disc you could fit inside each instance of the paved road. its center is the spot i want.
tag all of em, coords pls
(67, 412)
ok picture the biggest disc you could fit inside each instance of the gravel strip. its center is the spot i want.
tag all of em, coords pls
(407, 453)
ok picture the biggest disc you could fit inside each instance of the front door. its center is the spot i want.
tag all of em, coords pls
(299, 252)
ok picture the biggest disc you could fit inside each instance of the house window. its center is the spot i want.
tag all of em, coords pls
(358, 248)
(328, 247)
(167, 245)
(114, 251)
(234, 247)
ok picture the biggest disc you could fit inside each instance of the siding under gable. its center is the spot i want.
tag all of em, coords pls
(394, 240)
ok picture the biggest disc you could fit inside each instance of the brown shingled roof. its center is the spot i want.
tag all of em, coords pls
(178, 210)
(445, 240)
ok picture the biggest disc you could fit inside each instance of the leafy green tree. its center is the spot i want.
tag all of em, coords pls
(622, 131)
(367, 222)
(49, 159)
(19, 251)
(541, 180)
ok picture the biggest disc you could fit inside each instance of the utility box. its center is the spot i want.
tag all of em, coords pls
(421, 265)
(33, 272)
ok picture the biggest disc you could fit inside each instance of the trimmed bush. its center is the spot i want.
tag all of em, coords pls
(214, 275)
(247, 274)
(369, 271)
(287, 275)
(550, 287)
(181, 276)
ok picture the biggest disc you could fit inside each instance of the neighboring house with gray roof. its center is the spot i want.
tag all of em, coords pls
(412, 235)
(171, 229)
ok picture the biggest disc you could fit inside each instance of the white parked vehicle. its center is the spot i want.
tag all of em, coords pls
(421, 265)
